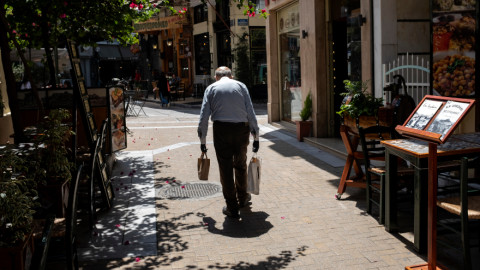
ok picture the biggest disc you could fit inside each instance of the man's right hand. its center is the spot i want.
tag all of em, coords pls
(203, 147)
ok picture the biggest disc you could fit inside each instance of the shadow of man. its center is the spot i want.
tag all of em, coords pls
(251, 224)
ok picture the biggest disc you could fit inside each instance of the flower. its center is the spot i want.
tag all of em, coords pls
(137, 259)
(8, 225)
(63, 16)
(3, 195)
(263, 11)
(133, 5)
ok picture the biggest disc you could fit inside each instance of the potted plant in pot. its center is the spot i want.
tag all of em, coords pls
(304, 127)
(18, 199)
(54, 166)
(360, 108)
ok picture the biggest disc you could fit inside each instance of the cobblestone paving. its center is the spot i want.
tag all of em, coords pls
(295, 222)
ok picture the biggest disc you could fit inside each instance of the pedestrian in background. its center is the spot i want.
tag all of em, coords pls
(228, 103)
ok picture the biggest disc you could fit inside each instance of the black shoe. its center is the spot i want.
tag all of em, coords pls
(246, 202)
(228, 213)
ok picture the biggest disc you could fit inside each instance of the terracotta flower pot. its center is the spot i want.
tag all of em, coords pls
(304, 129)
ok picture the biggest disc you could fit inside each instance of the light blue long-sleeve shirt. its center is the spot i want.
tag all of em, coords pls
(227, 100)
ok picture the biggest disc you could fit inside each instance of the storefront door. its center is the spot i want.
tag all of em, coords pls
(346, 48)
(289, 42)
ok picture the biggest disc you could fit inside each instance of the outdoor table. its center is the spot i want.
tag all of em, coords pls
(416, 152)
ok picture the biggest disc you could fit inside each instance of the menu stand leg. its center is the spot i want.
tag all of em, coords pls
(432, 211)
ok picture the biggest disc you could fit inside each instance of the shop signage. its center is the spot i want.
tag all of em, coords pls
(454, 27)
(242, 22)
(157, 24)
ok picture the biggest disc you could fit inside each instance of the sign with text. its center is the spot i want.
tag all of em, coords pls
(435, 118)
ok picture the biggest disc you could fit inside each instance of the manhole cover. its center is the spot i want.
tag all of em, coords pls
(189, 191)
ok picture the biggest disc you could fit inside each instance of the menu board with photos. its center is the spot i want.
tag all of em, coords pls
(453, 46)
(435, 118)
(79, 87)
(83, 102)
(116, 108)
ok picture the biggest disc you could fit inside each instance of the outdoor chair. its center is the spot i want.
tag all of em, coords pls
(374, 157)
(181, 91)
(466, 206)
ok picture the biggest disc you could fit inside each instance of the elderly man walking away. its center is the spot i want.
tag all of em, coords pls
(228, 102)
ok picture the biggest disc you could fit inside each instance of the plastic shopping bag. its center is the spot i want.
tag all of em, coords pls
(253, 180)
(203, 166)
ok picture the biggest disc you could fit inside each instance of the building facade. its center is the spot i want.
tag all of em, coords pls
(313, 46)
(207, 36)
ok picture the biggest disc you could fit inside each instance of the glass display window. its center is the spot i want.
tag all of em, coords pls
(289, 52)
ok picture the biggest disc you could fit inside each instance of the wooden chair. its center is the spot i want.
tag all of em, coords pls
(58, 239)
(466, 205)
(181, 90)
(373, 150)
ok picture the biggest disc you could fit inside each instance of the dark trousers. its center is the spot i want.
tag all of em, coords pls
(230, 141)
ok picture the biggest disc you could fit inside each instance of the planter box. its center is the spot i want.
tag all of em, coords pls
(304, 129)
(384, 118)
(18, 257)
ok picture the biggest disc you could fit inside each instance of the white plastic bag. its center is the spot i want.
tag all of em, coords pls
(254, 169)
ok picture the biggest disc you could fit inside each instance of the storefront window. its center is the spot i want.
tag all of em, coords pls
(354, 41)
(258, 55)
(200, 13)
(224, 55)
(202, 54)
(291, 84)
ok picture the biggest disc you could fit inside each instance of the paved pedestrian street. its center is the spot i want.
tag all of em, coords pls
(165, 218)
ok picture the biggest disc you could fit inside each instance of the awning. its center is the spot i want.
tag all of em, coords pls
(115, 52)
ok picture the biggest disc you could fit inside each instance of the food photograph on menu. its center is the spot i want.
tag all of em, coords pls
(117, 118)
(453, 43)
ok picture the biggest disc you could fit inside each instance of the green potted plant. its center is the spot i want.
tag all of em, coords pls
(304, 127)
(18, 199)
(54, 166)
(360, 108)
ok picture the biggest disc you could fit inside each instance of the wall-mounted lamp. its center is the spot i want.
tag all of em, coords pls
(361, 20)
(169, 42)
(304, 34)
(155, 46)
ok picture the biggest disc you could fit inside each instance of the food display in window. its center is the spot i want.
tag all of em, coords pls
(454, 76)
(454, 32)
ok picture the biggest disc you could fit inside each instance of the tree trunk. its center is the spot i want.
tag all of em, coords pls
(46, 44)
(10, 78)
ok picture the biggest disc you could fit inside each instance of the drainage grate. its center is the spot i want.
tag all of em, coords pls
(189, 191)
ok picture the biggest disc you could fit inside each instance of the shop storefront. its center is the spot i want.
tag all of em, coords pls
(171, 46)
(289, 47)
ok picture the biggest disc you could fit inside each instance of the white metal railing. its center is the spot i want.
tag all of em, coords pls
(415, 70)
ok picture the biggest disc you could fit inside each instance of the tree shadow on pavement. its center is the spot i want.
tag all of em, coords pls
(252, 224)
(282, 260)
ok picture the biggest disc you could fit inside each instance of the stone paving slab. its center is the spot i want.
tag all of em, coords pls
(295, 222)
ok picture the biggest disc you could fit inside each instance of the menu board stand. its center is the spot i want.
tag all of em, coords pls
(116, 113)
(83, 102)
(434, 120)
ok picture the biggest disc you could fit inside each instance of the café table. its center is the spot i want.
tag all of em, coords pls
(416, 152)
